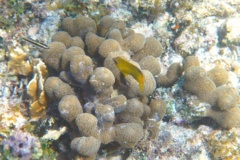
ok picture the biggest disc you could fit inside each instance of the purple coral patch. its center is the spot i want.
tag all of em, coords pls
(21, 144)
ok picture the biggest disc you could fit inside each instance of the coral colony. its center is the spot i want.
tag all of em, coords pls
(107, 90)
(103, 113)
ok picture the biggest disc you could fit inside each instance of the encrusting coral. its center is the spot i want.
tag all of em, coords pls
(22, 145)
(224, 144)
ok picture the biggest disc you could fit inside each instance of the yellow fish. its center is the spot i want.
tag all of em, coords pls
(127, 68)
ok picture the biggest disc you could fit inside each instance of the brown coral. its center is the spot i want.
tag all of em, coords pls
(104, 25)
(134, 107)
(197, 82)
(52, 56)
(218, 75)
(151, 64)
(77, 41)
(158, 110)
(93, 42)
(173, 73)
(50, 84)
(101, 79)
(81, 68)
(128, 134)
(190, 61)
(110, 64)
(224, 98)
(119, 25)
(118, 102)
(105, 115)
(132, 89)
(227, 119)
(116, 35)
(86, 146)
(68, 54)
(63, 37)
(69, 26)
(69, 107)
(132, 113)
(108, 46)
(151, 47)
(87, 124)
(62, 90)
(56, 89)
(84, 25)
(134, 42)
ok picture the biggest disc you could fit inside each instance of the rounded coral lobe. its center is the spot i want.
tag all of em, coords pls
(101, 79)
(52, 56)
(128, 134)
(86, 146)
(69, 107)
(81, 68)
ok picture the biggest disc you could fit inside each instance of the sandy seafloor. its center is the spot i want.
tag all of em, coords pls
(208, 29)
